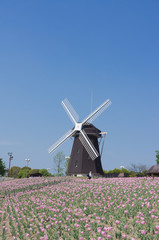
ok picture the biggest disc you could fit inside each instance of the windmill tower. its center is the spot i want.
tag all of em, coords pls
(85, 155)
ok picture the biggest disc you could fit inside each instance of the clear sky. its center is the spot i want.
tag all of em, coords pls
(51, 50)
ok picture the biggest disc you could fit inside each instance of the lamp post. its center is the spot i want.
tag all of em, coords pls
(27, 160)
(10, 158)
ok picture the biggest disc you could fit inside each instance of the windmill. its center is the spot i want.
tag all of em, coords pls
(85, 155)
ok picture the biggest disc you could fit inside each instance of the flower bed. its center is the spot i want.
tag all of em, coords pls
(76, 208)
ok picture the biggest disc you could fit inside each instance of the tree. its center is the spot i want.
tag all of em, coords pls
(14, 171)
(67, 160)
(24, 172)
(32, 171)
(137, 168)
(2, 167)
(45, 173)
(157, 157)
(124, 170)
(133, 167)
(59, 161)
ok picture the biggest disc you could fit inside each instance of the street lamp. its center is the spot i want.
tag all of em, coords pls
(27, 160)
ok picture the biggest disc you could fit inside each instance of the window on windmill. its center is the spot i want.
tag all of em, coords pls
(78, 150)
(76, 163)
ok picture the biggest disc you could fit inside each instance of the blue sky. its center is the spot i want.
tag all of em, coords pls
(51, 50)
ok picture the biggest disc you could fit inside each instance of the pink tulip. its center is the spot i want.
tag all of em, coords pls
(109, 236)
(143, 232)
(124, 236)
(48, 226)
(117, 222)
(157, 227)
(103, 234)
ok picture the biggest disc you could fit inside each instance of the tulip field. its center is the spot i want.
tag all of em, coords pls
(77, 208)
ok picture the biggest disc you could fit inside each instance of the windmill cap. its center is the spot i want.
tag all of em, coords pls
(90, 129)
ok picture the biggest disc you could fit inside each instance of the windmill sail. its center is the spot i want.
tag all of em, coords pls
(88, 145)
(97, 112)
(70, 111)
(61, 140)
(86, 142)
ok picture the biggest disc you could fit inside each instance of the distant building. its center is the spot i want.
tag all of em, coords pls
(36, 175)
(153, 171)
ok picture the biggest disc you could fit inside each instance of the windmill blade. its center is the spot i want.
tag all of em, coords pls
(97, 112)
(70, 110)
(88, 145)
(61, 140)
